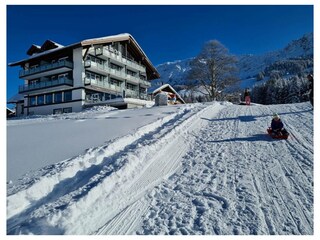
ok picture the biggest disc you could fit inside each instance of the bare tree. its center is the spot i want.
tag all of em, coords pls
(214, 69)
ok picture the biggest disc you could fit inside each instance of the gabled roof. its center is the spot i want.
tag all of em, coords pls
(33, 49)
(168, 88)
(49, 47)
(132, 43)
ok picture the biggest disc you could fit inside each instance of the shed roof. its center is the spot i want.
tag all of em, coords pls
(168, 88)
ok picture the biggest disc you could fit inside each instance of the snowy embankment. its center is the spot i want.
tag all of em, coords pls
(203, 169)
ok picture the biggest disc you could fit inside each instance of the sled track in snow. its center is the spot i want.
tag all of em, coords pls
(223, 176)
(69, 194)
(160, 168)
(261, 180)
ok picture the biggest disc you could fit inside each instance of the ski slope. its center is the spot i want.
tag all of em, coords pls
(204, 169)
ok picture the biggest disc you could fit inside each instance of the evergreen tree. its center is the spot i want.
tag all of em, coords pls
(281, 90)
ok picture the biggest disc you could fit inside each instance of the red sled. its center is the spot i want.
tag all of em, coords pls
(279, 136)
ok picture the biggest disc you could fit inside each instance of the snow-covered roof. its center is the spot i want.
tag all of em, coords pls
(113, 38)
(90, 42)
(118, 38)
(10, 110)
(171, 88)
(34, 56)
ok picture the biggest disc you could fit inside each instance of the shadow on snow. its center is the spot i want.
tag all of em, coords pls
(256, 137)
(249, 118)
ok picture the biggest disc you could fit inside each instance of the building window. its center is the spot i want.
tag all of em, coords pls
(48, 98)
(98, 50)
(33, 101)
(131, 73)
(34, 82)
(93, 77)
(57, 111)
(58, 97)
(116, 67)
(67, 96)
(143, 77)
(131, 87)
(67, 110)
(88, 75)
(143, 90)
(115, 82)
(62, 76)
(34, 66)
(95, 60)
(40, 99)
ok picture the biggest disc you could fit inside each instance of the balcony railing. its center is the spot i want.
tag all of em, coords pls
(145, 83)
(133, 64)
(132, 94)
(104, 69)
(117, 89)
(46, 67)
(133, 78)
(143, 96)
(45, 84)
(118, 57)
(103, 84)
(100, 67)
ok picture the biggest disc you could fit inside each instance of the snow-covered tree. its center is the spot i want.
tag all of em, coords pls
(214, 69)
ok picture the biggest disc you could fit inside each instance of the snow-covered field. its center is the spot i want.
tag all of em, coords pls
(197, 169)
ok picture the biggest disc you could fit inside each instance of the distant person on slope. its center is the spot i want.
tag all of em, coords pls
(310, 79)
(247, 98)
(277, 126)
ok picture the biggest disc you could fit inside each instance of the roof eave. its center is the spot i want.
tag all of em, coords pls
(96, 41)
(123, 37)
(39, 55)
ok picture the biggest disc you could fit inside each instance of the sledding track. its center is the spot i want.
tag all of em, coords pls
(260, 185)
(210, 169)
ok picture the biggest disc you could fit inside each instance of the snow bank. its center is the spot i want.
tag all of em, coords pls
(41, 186)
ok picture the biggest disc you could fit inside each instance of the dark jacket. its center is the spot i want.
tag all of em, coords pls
(246, 93)
(276, 125)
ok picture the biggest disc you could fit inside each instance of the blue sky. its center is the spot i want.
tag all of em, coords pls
(165, 33)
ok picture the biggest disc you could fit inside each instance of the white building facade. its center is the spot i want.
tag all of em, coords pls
(61, 79)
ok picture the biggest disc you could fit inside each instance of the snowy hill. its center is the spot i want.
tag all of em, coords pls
(185, 169)
(249, 65)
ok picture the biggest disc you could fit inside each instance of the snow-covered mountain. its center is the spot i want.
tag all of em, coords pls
(175, 73)
(193, 169)
(249, 65)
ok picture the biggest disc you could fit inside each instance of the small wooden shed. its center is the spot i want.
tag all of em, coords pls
(173, 96)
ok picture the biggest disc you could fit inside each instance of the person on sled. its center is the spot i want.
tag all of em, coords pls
(277, 126)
